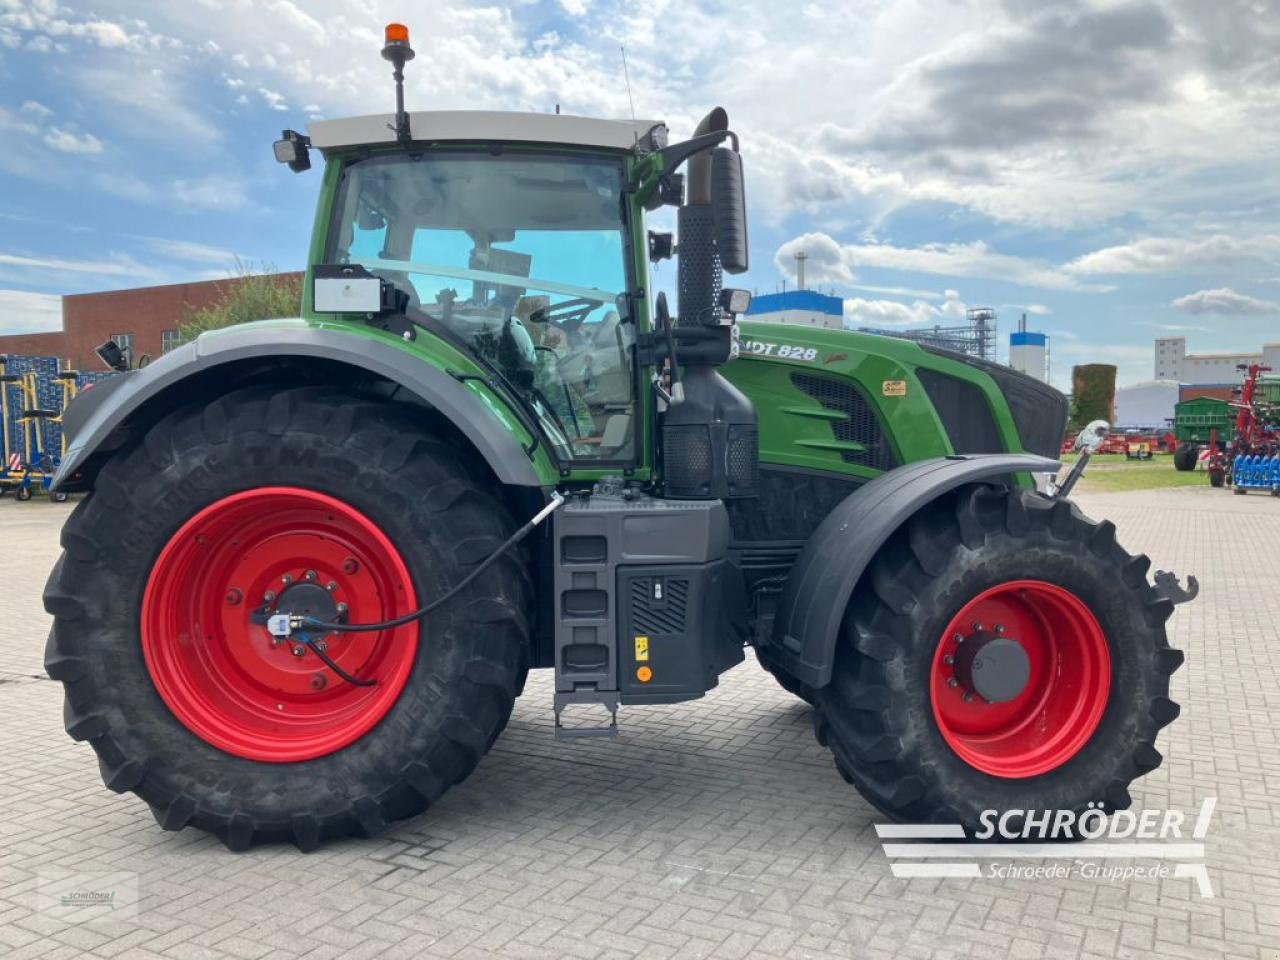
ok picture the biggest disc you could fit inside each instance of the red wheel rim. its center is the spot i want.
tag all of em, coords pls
(1063, 700)
(223, 676)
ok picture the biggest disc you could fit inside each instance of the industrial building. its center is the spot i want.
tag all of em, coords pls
(1146, 406)
(804, 307)
(976, 336)
(1172, 362)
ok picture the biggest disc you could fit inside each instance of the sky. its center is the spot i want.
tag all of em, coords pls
(1109, 168)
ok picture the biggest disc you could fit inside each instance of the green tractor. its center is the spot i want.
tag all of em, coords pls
(318, 556)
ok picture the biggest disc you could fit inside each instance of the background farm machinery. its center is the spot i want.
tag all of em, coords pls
(33, 393)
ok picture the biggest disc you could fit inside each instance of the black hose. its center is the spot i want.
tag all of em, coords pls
(310, 623)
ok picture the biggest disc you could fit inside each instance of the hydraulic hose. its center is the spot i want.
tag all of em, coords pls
(310, 622)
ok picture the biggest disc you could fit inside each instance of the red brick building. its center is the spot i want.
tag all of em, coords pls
(145, 319)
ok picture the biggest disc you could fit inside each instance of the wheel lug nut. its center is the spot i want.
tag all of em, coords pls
(948, 659)
(299, 650)
(309, 576)
(287, 579)
(319, 681)
(958, 638)
(968, 698)
(977, 625)
(350, 566)
(342, 608)
(953, 682)
(322, 645)
(1000, 629)
(331, 586)
(234, 596)
(276, 641)
(269, 596)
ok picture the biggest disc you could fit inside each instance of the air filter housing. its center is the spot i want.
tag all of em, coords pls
(710, 442)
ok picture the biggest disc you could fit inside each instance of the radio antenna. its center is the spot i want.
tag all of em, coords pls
(626, 74)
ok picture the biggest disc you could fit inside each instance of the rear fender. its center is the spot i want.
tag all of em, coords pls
(96, 417)
(807, 626)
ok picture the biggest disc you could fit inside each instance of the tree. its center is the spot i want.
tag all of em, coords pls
(1093, 392)
(252, 292)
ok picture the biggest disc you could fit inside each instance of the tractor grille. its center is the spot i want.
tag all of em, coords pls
(659, 617)
(964, 412)
(686, 452)
(1039, 411)
(744, 459)
(860, 425)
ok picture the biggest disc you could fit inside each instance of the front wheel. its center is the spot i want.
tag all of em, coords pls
(1185, 457)
(1003, 653)
(304, 501)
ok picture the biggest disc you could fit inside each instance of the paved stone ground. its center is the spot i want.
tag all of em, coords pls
(713, 829)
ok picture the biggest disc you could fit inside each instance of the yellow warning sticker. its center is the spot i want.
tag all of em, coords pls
(642, 648)
(894, 388)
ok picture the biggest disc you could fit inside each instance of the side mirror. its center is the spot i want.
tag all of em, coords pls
(729, 209)
(1091, 437)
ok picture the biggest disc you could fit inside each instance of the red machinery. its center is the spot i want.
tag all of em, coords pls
(1252, 435)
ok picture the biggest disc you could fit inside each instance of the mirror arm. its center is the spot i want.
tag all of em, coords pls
(671, 157)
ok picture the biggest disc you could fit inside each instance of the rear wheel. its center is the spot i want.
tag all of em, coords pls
(1003, 653)
(295, 501)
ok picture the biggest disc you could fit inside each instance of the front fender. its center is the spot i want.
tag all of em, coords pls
(92, 419)
(807, 626)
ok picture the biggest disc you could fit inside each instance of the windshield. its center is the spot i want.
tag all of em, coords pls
(523, 258)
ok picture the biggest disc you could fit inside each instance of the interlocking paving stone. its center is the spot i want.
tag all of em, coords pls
(713, 829)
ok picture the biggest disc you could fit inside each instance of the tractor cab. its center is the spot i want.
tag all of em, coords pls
(519, 241)
(519, 257)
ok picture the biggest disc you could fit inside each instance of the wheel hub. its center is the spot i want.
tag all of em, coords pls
(1020, 679)
(994, 667)
(211, 657)
(308, 600)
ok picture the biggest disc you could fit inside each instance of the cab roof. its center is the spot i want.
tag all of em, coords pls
(442, 126)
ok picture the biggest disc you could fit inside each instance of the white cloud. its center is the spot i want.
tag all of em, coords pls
(575, 8)
(893, 313)
(118, 266)
(68, 141)
(189, 251)
(835, 262)
(274, 100)
(35, 109)
(209, 193)
(1155, 255)
(1224, 302)
(24, 312)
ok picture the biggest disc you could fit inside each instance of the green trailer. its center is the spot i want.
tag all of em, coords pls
(1194, 423)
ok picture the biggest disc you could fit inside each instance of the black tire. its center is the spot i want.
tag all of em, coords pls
(876, 714)
(58, 496)
(1185, 457)
(22, 494)
(1216, 478)
(443, 515)
(785, 680)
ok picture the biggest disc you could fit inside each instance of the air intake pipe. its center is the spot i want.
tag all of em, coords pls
(710, 441)
(699, 275)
